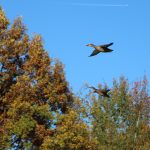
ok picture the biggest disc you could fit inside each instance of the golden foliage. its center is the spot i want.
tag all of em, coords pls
(36, 104)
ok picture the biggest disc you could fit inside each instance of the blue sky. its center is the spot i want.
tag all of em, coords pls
(68, 25)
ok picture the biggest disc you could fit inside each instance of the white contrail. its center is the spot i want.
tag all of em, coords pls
(97, 5)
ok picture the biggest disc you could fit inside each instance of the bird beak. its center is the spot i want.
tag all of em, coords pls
(86, 45)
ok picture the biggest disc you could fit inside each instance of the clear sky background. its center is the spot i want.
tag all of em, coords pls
(68, 25)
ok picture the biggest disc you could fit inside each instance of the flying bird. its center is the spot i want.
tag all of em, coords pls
(101, 48)
(101, 92)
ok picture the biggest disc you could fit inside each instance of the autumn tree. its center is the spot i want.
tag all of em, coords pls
(121, 121)
(37, 108)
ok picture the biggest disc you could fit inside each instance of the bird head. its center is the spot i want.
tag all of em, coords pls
(92, 45)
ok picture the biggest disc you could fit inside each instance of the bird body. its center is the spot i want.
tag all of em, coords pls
(100, 48)
(101, 92)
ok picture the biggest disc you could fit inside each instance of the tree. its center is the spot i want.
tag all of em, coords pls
(121, 121)
(72, 134)
(34, 95)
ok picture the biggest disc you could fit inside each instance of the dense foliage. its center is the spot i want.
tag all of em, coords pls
(121, 121)
(36, 104)
(39, 111)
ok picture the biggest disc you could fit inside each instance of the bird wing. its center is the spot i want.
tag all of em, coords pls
(106, 95)
(92, 87)
(107, 45)
(108, 90)
(95, 52)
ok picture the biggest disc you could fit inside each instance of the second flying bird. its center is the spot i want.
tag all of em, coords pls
(100, 48)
